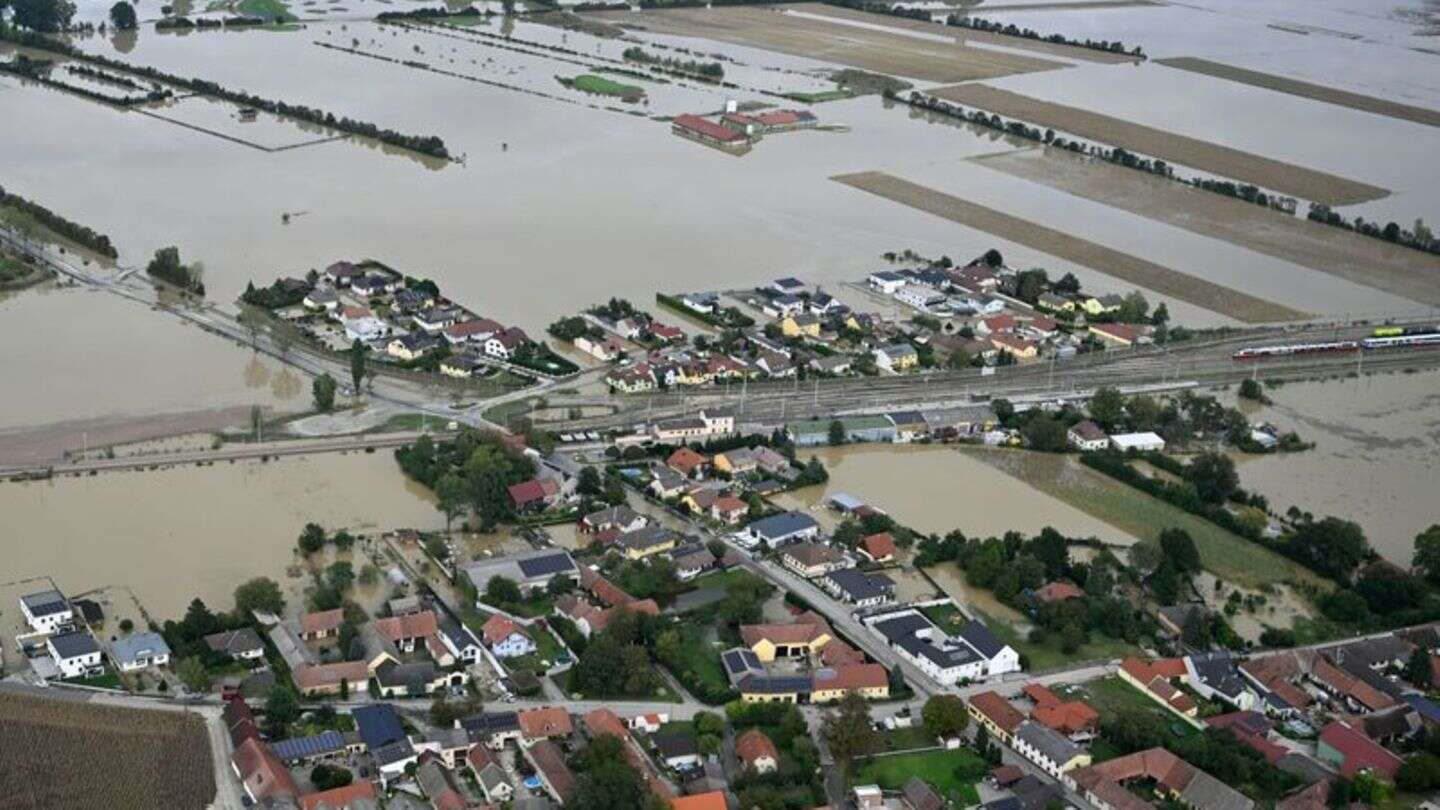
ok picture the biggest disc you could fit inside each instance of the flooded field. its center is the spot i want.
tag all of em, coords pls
(1197, 291)
(77, 354)
(170, 535)
(1286, 178)
(936, 489)
(1376, 459)
(1404, 272)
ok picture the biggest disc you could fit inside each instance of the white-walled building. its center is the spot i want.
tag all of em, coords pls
(46, 611)
(972, 655)
(75, 654)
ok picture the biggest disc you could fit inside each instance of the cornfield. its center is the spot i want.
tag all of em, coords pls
(61, 754)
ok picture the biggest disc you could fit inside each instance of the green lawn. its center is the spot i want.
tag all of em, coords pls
(820, 96)
(12, 269)
(952, 773)
(947, 617)
(904, 739)
(590, 83)
(664, 694)
(1109, 696)
(272, 10)
(413, 422)
(702, 673)
(1227, 555)
(548, 649)
(1048, 653)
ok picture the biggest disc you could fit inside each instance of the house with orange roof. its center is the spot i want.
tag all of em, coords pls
(714, 800)
(506, 638)
(550, 721)
(757, 751)
(1057, 592)
(689, 463)
(996, 714)
(355, 795)
(408, 632)
(312, 680)
(322, 624)
(803, 638)
(729, 510)
(262, 773)
(830, 684)
(879, 547)
(1154, 680)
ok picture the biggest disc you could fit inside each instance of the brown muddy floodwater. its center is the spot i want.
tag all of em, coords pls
(931, 488)
(1376, 459)
(171, 535)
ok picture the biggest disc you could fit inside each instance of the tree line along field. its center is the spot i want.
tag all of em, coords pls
(889, 52)
(57, 754)
(1222, 161)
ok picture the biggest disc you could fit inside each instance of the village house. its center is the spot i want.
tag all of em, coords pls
(532, 570)
(973, 654)
(1153, 679)
(803, 638)
(896, 357)
(1074, 718)
(1116, 333)
(139, 651)
(409, 632)
(241, 645)
(603, 349)
(321, 298)
(535, 495)
(340, 273)
(1018, 347)
(75, 654)
(855, 587)
(777, 530)
(506, 343)
(1087, 436)
(1053, 752)
(1349, 751)
(632, 379)
(782, 306)
(831, 684)
(315, 680)
(695, 429)
(708, 132)
(878, 548)
(619, 517)
(646, 541)
(262, 775)
(475, 330)
(688, 462)
(1139, 442)
(996, 714)
(1173, 778)
(757, 752)
(413, 346)
(691, 561)
(47, 611)
(490, 775)
(920, 296)
(811, 560)
(729, 510)
(801, 324)
(362, 325)
(888, 282)
(461, 366)
(506, 638)
(436, 319)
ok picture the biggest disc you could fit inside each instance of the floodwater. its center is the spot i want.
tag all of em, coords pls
(1376, 460)
(174, 534)
(935, 489)
(585, 203)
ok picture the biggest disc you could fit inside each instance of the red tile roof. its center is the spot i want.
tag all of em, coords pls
(1360, 753)
(685, 461)
(879, 546)
(551, 721)
(527, 492)
(714, 800)
(1058, 592)
(708, 128)
(850, 677)
(262, 772)
(411, 625)
(338, 798)
(1068, 718)
(499, 627)
(322, 622)
(753, 745)
(997, 710)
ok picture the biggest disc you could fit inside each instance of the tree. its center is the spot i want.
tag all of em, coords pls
(1107, 407)
(1252, 390)
(836, 434)
(502, 591)
(452, 495)
(1427, 554)
(122, 16)
(191, 672)
(850, 733)
(328, 777)
(1045, 433)
(282, 707)
(357, 365)
(1331, 546)
(1214, 477)
(1133, 308)
(1419, 774)
(945, 716)
(1179, 550)
(262, 594)
(1417, 669)
(312, 538)
(322, 390)
(47, 16)
(589, 483)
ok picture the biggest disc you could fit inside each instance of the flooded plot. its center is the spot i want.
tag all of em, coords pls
(1078, 5)
(1224, 161)
(965, 36)
(1363, 260)
(889, 52)
(936, 489)
(118, 359)
(174, 534)
(263, 131)
(1129, 268)
(1295, 87)
(1376, 460)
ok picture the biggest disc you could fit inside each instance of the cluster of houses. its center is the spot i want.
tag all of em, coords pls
(419, 649)
(980, 315)
(736, 131)
(60, 645)
(373, 304)
(514, 759)
(802, 661)
(1086, 436)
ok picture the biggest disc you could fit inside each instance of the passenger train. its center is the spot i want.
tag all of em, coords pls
(1409, 337)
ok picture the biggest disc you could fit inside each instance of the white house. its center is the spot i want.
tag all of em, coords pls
(782, 306)
(321, 298)
(972, 655)
(459, 640)
(699, 428)
(919, 296)
(46, 611)
(505, 638)
(1087, 436)
(362, 325)
(1141, 442)
(888, 282)
(75, 654)
(1053, 752)
(140, 651)
(777, 530)
(896, 356)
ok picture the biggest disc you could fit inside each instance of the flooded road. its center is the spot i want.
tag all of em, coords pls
(1376, 460)
(174, 534)
(935, 489)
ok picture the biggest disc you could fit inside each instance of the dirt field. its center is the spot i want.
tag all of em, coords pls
(1286, 178)
(1361, 259)
(61, 754)
(965, 35)
(1295, 87)
(894, 54)
(1123, 266)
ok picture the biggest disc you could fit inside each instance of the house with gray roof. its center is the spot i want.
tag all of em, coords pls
(777, 530)
(46, 611)
(855, 587)
(531, 570)
(972, 655)
(75, 654)
(242, 645)
(1051, 751)
(140, 651)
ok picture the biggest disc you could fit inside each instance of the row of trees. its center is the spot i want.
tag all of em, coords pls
(431, 145)
(1419, 236)
(710, 71)
(167, 267)
(75, 232)
(1012, 30)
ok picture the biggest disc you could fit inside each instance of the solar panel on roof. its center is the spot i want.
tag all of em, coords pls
(549, 564)
(298, 748)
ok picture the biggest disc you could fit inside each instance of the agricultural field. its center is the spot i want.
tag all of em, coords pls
(1374, 263)
(1231, 557)
(1246, 167)
(953, 774)
(1132, 269)
(133, 758)
(1295, 87)
(890, 52)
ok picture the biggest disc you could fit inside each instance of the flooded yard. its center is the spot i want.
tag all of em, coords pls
(935, 489)
(170, 535)
(1376, 458)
